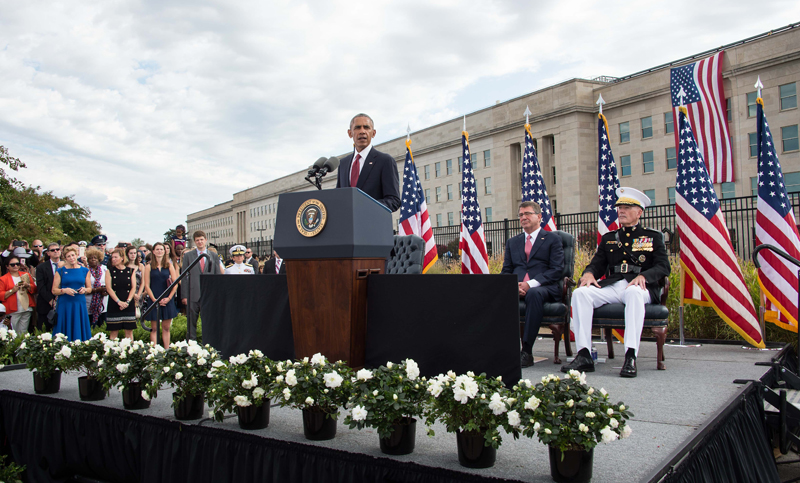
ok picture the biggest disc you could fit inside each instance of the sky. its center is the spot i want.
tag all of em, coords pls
(148, 110)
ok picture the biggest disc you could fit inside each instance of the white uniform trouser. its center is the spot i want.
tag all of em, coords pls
(588, 298)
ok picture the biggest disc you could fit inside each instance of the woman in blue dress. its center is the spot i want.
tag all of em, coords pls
(70, 283)
(157, 275)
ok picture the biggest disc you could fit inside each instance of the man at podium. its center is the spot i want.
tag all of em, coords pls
(368, 169)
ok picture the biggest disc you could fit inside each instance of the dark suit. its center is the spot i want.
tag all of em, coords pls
(545, 265)
(44, 282)
(269, 267)
(190, 287)
(378, 177)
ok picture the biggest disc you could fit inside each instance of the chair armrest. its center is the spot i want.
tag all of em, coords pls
(665, 291)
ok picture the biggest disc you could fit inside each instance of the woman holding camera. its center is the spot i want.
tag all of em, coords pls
(16, 290)
(70, 283)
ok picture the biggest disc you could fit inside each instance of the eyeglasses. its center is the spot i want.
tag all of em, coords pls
(14, 264)
(527, 213)
(38, 246)
(54, 250)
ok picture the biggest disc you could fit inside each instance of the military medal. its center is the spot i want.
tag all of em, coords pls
(642, 258)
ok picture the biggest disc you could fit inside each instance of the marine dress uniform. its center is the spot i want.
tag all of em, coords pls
(621, 256)
(240, 268)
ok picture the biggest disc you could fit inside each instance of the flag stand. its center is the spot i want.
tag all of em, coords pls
(762, 311)
(682, 340)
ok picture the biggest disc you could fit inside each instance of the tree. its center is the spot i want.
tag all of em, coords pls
(137, 242)
(168, 234)
(26, 213)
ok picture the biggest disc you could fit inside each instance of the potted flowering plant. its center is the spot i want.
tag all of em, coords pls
(47, 355)
(184, 366)
(127, 365)
(473, 407)
(86, 355)
(387, 399)
(244, 384)
(318, 387)
(570, 417)
(8, 345)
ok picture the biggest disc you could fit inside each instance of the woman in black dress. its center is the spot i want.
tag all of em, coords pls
(121, 287)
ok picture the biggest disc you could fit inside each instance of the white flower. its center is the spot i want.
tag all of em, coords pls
(614, 423)
(201, 361)
(217, 364)
(375, 392)
(608, 435)
(547, 430)
(258, 392)
(451, 374)
(590, 391)
(621, 407)
(279, 367)
(389, 365)
(257, 353)
(532, 403)
(412, 369)
(497, 405)
(166, 369)
(333, 379)
(570, 403)
(178, 375)
(310, 401)
(394, 397)
(46, 336)
(279, 379)
(317, 359)
(250, 383)
(287, 393)
(603, 392)
(23, 345)
(291, 379)
(583, 428)
(626, 431)
(610, 412)
(465, 389)
(123, 368)
(513, 418)
(536, 426)
(364, 375)
(64, 353)
(240, 359)
(578, 376)
(590, 414)
(242, 401)
(145, 396)
(188, 366)
(434, 388)
(359, 413)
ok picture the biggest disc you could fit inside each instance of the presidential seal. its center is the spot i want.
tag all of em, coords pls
(311, 218)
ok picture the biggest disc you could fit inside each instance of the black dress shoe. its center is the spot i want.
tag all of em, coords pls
(525, 359)
(629, 368)
(581, 363)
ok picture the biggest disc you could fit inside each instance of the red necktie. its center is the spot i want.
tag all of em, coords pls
(354, 172)
(528, 247)
(277, 265)
(202, 264)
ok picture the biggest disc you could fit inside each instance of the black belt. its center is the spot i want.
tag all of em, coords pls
(627, 268)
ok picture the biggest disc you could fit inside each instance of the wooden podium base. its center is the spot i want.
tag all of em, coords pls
(328, 301)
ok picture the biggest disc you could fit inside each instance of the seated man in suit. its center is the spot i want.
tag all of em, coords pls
(373, 172)
(536, 257)
(274, 266)
(633, 261)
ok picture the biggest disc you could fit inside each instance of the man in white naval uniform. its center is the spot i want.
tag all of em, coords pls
(238, 266)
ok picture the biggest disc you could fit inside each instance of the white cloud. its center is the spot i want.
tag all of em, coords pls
(150, 110)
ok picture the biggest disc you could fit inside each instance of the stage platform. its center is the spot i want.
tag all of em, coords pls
(670, 407)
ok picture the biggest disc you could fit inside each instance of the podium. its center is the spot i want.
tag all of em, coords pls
(333, 240)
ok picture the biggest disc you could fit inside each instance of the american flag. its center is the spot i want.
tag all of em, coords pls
(775, 225)
(414, 219)
(704, 98)
(533, 187)
(472, 244)
(706, 251)
(607, 182)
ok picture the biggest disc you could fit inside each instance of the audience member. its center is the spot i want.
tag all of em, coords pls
(274, 265)
(133, 260)
(45, 301)
(179, 238)
(39, 251)
(191, 284)
(238, 265)
(97, 302)
(70, 282)
(156, 276)
(121, 286)
(18, 288)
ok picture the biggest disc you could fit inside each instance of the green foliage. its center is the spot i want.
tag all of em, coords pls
(125, 362)
(313, 384)
(168, 234)
(10, 472)
(567, 413)
(9, 343)
(386, 396)
(87, 355)
(246, 380)
(177, 330)
(45, 353)
(137, 242)
(469, 403)
(184, 366)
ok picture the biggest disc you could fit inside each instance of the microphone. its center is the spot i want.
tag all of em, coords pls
(316, 166)
(331, 164)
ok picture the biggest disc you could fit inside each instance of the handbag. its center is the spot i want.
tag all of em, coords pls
(52, 315)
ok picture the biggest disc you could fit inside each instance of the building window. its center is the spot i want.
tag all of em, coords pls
(554, 175)
(672, 162)
(625, 164)
(753, 141)
(669, 123)
(788, 96)
(754, 185)
(460, 163)
(449, 166)
(487, 185)
(438, 169)
(647, 127)
(728, 109)
(789, 138)
(488, 217)
(449, 192)
(751, 104)
(475, 158)
(459, 191)
(792, 181)
(427, 195)
(438, 219)
(652, 195)
(647, 161)
(671, 195)
(450, 220)
(438, 194)
(427, 170)
(487, 158)
(728, 190)
(624, 132)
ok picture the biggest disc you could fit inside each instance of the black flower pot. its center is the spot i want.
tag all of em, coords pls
(402, 439)
(132, 397)
(574, 467)
(472, 450)
(190, 407)
(90, 389)
(317, 426)
(49, 384)
(254, 417)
